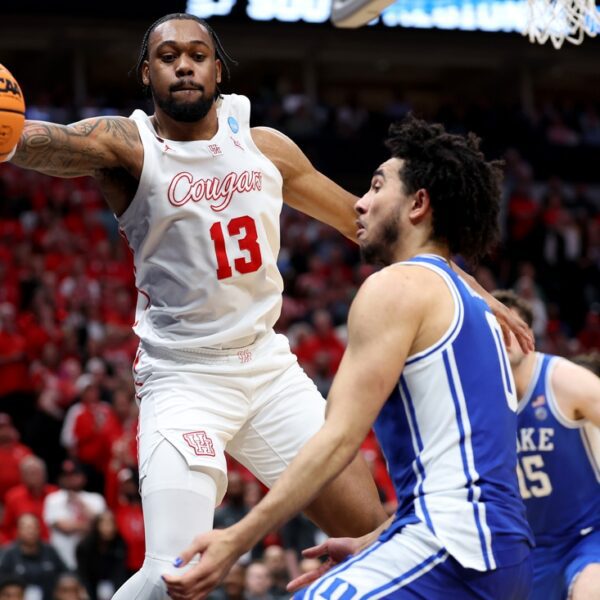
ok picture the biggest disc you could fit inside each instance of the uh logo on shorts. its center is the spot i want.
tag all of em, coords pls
(200, 443)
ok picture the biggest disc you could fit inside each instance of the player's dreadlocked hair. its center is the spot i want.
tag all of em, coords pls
(219, 50)
(463, 188)
(512, 300)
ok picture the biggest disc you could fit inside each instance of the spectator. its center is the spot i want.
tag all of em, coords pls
(350, 118)
(324, 340)
(89, 428)
(233, 507)
(27, 497)
(233, 586)
(320, 372)
(32, 559)
(123, 445)
(296, 535)
(523, 220)
(258, 582)
(12, 588)
(526, 287)
(130, 519)
(15, 397)
(274, 558)
(589, 337)
(101, 558)
(70, 511)
(12, 452)
(308, 565)
(68, 587)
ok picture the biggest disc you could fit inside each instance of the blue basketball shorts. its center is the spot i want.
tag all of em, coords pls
(556, 566)
(413, 565)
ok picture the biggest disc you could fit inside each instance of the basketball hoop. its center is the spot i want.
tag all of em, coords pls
(560, 20)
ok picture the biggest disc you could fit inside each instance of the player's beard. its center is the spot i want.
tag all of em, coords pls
(380, 251)
(185, 112)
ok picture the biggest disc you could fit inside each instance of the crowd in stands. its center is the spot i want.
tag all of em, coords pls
(71, 517)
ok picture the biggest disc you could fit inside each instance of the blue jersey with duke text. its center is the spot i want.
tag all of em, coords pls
(559, 463)
(448, 432)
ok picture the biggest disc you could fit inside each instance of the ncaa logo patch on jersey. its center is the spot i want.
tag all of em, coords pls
(233, 124)
(541, 413)
(200, 443)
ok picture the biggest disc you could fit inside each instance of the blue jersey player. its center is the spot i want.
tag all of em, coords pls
(559, 467)
(426, 364)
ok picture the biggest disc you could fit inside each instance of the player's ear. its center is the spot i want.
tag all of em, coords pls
(420, 204)
(145, 73)
(218, 70)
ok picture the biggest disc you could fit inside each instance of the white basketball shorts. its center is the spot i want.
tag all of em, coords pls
(256, 403)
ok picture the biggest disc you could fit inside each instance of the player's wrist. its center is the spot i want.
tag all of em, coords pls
(245, 534)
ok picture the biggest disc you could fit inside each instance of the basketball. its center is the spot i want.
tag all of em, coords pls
(12, 112)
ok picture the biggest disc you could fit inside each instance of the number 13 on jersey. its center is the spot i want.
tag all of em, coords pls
(243, 229)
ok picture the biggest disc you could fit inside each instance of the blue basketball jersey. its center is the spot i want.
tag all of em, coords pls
(559, 463)
(448, 433)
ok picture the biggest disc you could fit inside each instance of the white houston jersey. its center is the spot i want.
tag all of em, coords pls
(204, 230)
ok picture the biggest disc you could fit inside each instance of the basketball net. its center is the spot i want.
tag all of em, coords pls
(560, 20)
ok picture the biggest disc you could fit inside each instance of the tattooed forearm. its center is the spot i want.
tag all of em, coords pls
(74, 150)
(56, 150)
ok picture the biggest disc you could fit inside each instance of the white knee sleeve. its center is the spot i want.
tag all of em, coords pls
(178, 504)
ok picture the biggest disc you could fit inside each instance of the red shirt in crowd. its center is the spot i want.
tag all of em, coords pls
(327, 343)
(20, 500)
(11, 455)
(13, 364)
(94, 429)
(130, 523)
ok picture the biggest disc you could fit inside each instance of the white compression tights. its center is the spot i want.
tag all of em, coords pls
(178, 505)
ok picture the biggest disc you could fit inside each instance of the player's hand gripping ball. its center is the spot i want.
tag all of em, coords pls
(12, 112)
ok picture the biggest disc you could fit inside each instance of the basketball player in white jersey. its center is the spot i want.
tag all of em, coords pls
(425, 364)
(197, 194)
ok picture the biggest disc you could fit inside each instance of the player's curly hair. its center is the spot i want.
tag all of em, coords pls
(464, 189)
(219, 50)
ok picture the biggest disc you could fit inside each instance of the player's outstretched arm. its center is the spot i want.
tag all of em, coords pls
(577, 391)
(305, 188)
(84, 148)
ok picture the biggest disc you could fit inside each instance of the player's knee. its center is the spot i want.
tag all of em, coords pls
(587, 584)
